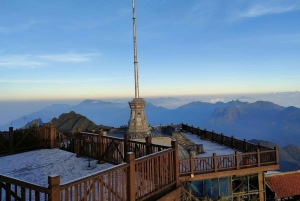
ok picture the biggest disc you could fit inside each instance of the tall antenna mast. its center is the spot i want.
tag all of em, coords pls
(136, 76)
(138, 126)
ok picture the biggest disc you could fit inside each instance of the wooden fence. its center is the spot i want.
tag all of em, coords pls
(228, 162)
(231, 142)
(112, 149)
(137, 179)
(45, 136)
(24, 140)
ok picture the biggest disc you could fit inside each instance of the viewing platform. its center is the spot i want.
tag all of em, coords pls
(121, 168)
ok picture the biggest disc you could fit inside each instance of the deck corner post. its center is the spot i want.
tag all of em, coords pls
(232, 142)
(277, 155)
(130, 176)
(126, 145)
(245, 147)
(192, 165)
(148, 145)
(53, 186)
(8, 191)
(77, 146)
(52, 136)
(259, 145)
(215, 162)
(222, 138)
(100, 147)
(237, 160)
(11, 139)
(258, 158)
(174, 144)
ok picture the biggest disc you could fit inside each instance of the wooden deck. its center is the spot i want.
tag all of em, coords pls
(143, 169)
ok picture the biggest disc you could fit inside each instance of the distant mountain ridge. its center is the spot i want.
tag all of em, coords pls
(261, 120)
(288, 162)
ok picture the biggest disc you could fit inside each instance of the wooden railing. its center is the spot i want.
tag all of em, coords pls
(144, 168)
(24, 140)
(112, 149)
(13, 189)
(106, 185)
(4, 142)
(228, 162)
(154, 172)
(231, 142)
(65, 141)
(137, 179)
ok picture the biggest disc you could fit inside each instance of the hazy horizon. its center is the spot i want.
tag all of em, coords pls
(10, 110)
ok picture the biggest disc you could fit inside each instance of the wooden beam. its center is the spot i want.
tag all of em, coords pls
(229, 173)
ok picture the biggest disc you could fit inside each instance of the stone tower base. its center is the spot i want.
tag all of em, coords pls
(138, 126)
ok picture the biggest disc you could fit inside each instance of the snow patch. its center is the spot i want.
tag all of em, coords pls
(36, 166)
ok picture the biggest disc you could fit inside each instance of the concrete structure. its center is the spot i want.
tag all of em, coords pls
(137, 125)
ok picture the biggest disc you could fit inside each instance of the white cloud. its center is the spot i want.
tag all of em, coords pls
(69, 57)
(62, 81)
(216, 100)
(31, 61)
(19, 27)
(19, 60)
(267, 8)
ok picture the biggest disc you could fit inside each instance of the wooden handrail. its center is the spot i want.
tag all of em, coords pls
(211, 135)
(228, 162)
(24, 184)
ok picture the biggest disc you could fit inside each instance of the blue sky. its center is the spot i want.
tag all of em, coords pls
(84, 49)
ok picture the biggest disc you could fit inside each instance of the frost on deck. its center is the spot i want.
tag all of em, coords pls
(35, 166)
(209, 147)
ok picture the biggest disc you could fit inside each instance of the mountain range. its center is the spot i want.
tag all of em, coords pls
(289, 156)
(259, 120)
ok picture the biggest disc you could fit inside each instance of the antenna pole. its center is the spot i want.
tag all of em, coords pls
(136, 76)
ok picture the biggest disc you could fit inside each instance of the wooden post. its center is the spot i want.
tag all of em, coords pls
(258, 158)
(53, 186)
(277, 155)
(215, 162)
(126, 145)
(130, 176)
(8, 191)
(232, 142)
(148, 145)
(245, 147)
(222, 138)
(52, 136)
(192, 165)
(77, 146)
(261, 185)
(174, 144)
(259, 145)
(203, 136)
(44, 135)
(100, 147)
(11, 139)
(237, 160)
